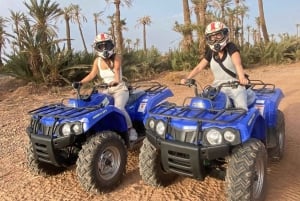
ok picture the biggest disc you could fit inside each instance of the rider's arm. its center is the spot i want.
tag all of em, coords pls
(117, 68)
(92, 74)
(236, 60)
(202, 64)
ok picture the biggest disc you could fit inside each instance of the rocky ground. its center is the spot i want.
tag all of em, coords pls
(16, 182)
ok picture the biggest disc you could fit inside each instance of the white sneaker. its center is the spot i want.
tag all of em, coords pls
(132, 134)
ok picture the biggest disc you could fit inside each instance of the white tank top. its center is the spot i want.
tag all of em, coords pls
(108, 75)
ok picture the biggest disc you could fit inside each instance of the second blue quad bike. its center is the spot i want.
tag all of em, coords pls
(91, 132)
(204, 137)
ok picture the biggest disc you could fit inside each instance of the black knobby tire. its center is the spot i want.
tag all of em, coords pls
(276, 153)
(102, 162)
(150, 166)
(40, 168)
(246, 172)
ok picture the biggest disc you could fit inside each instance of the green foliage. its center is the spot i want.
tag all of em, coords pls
(285, 51)
(139, 65)
(185, 60)
(17, 66)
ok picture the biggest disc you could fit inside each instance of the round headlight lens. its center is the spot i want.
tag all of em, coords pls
(160, 128)
(214, 137)
(229, 136)
(76, 129)
(151, 123)
(66, 129)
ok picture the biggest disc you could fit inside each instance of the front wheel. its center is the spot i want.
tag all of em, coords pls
(276, 153)
(102, 162)
(246, 172)
(151, 168)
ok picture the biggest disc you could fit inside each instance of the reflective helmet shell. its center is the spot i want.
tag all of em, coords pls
(217, 36)
(104, 46)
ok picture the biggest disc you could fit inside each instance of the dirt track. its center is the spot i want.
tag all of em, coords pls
(16, 183)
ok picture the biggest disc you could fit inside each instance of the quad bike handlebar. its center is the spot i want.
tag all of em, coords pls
(77, 87)
(209, 91)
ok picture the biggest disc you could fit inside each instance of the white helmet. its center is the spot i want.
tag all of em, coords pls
(217, 36)
(104, 45)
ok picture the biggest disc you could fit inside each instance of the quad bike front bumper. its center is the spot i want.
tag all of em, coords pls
(185, 158)
(50, 150)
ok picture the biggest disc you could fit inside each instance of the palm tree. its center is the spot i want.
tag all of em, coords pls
(146, 20)
(44, 17)
(128, 41)
(17, 19)
(297, 27)
(258, 33)
(237, 21)
(248, 34)
(187, 35)
(221, 5)
(243, 10)
(3, 36)
(119, 36)
(200, 12)
(67, 14)
(112, 27)
(97, 19)
(263, 21)
(38, 38)
(136, 44)
(77, 16)
(230, 22)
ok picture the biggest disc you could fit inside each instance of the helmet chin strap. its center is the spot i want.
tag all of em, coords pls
(217, 47)
(105, 53)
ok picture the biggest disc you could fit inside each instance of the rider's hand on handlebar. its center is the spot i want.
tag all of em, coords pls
(243, 80)
(76, 85)
(113, 84)
(183, 81)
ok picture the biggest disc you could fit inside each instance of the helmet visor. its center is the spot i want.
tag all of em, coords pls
(215, 37)
(102, 46)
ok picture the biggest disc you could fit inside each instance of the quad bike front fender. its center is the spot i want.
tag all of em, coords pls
(108, 118)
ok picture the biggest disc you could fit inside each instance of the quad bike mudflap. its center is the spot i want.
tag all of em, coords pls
(203, 137)
(91, 132)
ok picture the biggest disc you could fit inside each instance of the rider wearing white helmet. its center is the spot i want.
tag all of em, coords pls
(217, 36)
(224, 59)
(108, 66)
(104, 46)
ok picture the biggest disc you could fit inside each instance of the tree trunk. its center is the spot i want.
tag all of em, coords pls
(188, 37)
(81, 34)
(119, 39)
(68, 33)
(262, 21)
(202, 11)
(144, 37)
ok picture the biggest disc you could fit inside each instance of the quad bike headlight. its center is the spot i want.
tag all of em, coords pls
(217, 136)
(69, 128)
(229, 136)
(160, 128)
(214, 137)
(66, 129)
(151, 124)
(77, 128)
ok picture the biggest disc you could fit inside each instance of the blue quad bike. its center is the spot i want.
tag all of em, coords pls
(204, 138)
(91, 132)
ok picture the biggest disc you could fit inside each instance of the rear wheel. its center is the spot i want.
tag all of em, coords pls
(150, 166)
(246, 172)
(276, 153)
(102, 162)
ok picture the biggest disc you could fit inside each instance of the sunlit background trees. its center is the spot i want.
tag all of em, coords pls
(39, 55)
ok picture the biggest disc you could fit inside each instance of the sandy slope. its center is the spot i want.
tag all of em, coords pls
(16, 183)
